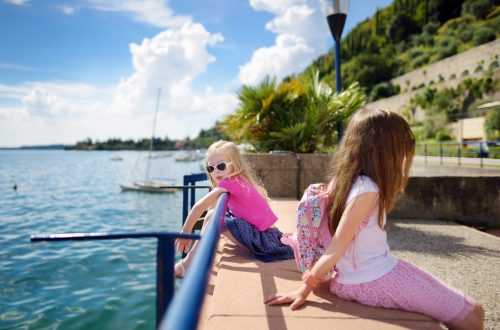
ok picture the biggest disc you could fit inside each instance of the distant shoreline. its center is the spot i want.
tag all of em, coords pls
(47, 147)
(75, 148)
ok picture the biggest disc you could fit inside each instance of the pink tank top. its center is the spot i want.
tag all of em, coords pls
(245, 202)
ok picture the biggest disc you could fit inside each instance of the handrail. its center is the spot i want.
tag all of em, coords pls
(462, 151)
(184, 311)
(165, 258)
(165, 253)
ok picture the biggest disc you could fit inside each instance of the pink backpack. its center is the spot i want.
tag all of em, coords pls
(312, 235)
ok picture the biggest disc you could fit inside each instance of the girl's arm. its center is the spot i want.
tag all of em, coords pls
(206, 202)
(353, 216)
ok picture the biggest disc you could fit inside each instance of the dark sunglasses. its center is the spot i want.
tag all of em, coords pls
(222, 166)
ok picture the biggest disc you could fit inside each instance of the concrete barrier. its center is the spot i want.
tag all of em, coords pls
(470, 200)
(288, 175)
(473, 200)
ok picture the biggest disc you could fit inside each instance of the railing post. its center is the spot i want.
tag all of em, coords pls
(165, 278)
(190, 180)
(481, 153)
(192, 292)
(441, 152)
(459, 153)
(185, 196)
(425, 152)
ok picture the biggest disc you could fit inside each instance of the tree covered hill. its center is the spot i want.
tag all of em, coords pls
(405, 36)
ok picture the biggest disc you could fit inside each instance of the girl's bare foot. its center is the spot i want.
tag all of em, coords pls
(179, 269)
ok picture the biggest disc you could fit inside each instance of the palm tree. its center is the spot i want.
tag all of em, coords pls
(299, 115)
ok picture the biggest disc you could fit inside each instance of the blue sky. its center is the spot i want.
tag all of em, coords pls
(92, 68)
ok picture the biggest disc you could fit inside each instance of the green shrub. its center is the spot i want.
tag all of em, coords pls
(479, 8)
(369, 69)
(420, 60)
(431, 28)
(443, 135)
(418, 132)
(483, 35)
(466, 35)
(446, 47)
(402, 27)
(493, 65)
(492, 124)
(494, 13)
(383, 90)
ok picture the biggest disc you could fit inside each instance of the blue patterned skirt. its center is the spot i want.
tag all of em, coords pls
(265, 245)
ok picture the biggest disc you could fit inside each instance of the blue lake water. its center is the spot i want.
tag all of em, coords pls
(81, 285)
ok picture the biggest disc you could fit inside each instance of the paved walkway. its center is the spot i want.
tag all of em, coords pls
(486, 163)
(464, 257)
(472, 167)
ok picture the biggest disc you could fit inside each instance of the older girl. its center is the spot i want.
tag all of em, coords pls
(371, 166)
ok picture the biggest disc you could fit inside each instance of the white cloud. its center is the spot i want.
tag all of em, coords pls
(12, 92)
(40, 101)
(275, 6)
(68, 112)
(67, 9)
(48, 112)
(302, 33)
(153, 12)
(17, 2)
(171, 59)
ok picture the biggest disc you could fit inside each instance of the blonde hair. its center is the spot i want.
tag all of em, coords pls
(239, 164)
(379, 144)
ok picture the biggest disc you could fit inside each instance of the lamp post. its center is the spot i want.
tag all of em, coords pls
(336, 14)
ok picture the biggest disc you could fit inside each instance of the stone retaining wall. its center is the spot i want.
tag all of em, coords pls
(288, 175)
(460, 198)
(477, 59)
(471, 200)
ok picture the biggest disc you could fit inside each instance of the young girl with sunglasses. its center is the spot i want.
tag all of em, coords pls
(371, 166)
(249, 220)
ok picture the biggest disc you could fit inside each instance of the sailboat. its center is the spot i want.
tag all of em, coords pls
(148, 185)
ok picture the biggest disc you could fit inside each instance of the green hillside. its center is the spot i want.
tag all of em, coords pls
(405, 36)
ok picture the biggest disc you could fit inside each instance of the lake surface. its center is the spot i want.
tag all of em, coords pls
(81, 285)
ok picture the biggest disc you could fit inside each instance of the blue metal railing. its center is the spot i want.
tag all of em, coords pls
(188, 193)
(480, 150)
(194, 286)
(165, 258)
(184, 311)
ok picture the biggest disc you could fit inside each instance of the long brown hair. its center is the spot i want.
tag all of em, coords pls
(239, 164)
(379, 144)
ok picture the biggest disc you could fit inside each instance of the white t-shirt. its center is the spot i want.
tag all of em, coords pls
(367, 256)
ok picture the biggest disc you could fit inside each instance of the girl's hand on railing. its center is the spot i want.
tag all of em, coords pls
(183, 244)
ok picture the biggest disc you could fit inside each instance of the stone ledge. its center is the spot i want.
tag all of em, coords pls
(240, 284)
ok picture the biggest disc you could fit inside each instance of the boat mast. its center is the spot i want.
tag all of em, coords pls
(152, 135)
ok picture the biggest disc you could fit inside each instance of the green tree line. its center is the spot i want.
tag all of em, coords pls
(203, 140)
